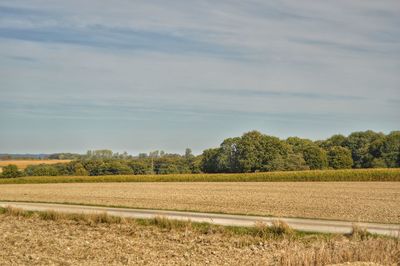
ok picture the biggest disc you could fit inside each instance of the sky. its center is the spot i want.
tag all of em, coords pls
(138, 76)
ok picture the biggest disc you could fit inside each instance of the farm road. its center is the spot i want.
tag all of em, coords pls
(308, 225)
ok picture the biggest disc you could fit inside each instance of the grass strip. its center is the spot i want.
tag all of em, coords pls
(278, 228)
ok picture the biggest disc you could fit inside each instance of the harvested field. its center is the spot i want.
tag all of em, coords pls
(22, 164)
(47, 240)
(353, 201)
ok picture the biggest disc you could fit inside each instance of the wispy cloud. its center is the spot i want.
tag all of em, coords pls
(283, 94)
(21, 58)
(106, 111)
(118, 38)
(306, 67)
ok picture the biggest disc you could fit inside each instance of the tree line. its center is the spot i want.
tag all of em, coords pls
(252, 152)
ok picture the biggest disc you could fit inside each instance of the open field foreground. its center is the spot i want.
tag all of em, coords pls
(57, 239)
(353, 201)
(375, 174)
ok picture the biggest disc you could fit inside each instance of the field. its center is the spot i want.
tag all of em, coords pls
(391, 174)
(354, 201)
(54, 239)
(22, 164)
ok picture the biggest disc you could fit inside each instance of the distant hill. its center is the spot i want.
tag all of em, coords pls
(8, 156)
(39, 156)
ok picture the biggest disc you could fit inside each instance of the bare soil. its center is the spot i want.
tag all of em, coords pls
(354, 201)
(35, 241)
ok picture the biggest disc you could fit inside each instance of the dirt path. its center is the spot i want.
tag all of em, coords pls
(310, 225)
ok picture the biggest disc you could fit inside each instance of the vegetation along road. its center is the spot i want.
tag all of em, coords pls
(311, 225)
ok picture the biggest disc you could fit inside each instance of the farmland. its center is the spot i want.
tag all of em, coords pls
(354, 201)
(22, 164)
(52, 238)
(384, 174)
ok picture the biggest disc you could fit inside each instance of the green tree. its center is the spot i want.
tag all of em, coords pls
(115, 167)
(260, 152)
(209, 162)
(79, 170)
(314, 156)
(142, 155)
(340, 158)
(93, 166)
(195, 164)
(295, 162)
(99, 154)
(391, 149)
(227, 157)
(141, 166)
(251, 152)
(10, 171)
(172, 164)
(298, 144)
(188, 153)
(378, 163)
(335, 140)
(42, 170)
(359, 145)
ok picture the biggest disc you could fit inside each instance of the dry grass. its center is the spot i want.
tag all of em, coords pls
(354, 201)
(22, 164)
(359, 232)
(90, 219)
(65, 239)
(356, 175)
(333, 252)
(261, 230)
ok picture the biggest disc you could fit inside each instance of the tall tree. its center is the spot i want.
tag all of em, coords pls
(391, 149)
(335, 140)
(209, 162)
(359, 145)
(314, 156)
(260, 152)
(188, 153)
(340, 158)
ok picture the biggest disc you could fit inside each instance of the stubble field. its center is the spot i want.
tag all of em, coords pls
(53, 240)
(22, 164)
(353, 201)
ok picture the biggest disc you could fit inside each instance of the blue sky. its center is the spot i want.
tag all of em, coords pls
(142, 75)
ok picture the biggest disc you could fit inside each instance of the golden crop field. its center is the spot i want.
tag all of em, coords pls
(53, 239)
(356, 175)
(354, 201)
(22, 164)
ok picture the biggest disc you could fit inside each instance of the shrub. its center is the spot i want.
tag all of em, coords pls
(10, 171)
(358, 232)
(41, 170)
(279, 228)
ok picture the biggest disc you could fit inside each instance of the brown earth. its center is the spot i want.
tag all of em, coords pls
(354, 201)
(38, 241)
